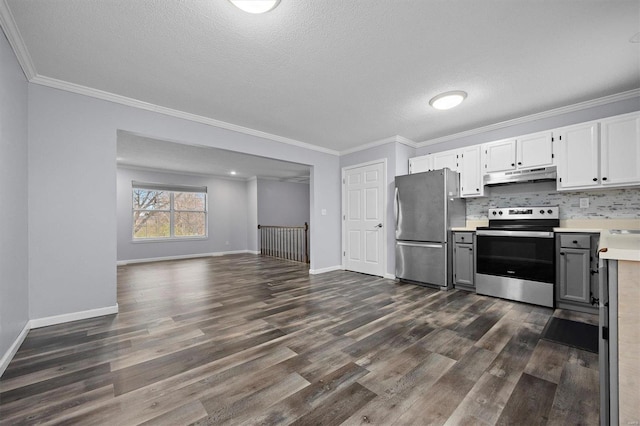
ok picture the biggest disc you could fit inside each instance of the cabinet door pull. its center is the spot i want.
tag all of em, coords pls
(595, 179)
(604, 178)
(519, 163)
(561, 253)
(575, 242)
(512, 164)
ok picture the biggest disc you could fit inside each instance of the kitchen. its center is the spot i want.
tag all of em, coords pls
(59, 117)
(526, 253)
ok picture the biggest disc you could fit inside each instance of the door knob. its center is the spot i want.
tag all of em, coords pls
(379, 225)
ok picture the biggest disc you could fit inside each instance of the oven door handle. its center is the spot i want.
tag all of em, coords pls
(534, 234)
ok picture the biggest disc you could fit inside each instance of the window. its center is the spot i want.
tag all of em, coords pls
(168, 211)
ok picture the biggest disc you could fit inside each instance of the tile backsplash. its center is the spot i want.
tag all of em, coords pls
(603, 204)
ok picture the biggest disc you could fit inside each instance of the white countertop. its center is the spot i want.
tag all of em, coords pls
(582, 230)
(463, 229)
(620, 245)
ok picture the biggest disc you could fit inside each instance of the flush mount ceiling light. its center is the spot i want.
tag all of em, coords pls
(255, 6)
(448, 100)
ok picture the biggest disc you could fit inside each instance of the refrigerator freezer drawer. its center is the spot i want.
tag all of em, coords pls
(422, 262)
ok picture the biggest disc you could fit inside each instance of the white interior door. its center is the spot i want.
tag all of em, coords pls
(363, 217)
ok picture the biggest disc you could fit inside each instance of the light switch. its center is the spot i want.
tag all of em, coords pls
(323, 212)
(584, 203)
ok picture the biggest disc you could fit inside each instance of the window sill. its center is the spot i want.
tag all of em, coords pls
(169, 240)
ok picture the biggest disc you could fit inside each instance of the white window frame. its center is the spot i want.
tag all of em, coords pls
(171, 189)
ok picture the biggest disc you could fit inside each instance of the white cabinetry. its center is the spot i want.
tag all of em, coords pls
(534, 150)
(578, 157)
(500, 156)
(600, 154)
(436, 161)
(446, 159)
(620, 150)
(471, 184)
(524, 152)
(420, 164)
(465, 161)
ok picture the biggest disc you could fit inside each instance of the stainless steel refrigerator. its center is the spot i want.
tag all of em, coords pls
(427, 206)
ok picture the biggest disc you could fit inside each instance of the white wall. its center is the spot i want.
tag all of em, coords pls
(14, 285)
(72, 193)
(282, 203)
(227, 217)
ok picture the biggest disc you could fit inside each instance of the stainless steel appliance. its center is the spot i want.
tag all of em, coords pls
(427, 205)
(515, 254)
(540, 174)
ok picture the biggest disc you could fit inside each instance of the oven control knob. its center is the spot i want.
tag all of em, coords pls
(494, 213)
(549, 211)
(541, 211)
(500, 212)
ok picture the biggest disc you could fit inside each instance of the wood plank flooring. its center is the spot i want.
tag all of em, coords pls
(244, 339)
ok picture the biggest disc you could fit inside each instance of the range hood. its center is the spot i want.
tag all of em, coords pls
(541, 174)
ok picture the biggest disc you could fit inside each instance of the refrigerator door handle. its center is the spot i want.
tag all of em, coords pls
(400, 243)
(396, 206)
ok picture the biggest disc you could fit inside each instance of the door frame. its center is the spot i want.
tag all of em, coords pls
(385, 221)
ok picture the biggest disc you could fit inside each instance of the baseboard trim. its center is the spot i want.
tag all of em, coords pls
(324, 270)
(183, 256)
(8, 356)
(389, 276)
(73, 316)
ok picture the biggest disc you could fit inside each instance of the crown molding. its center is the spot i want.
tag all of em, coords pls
(396, 139)
(8, 24)
(538, 116)
(123, 100)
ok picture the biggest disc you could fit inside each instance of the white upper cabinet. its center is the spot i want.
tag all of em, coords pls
(446, 159)
(524, 152)
(465, 161)
(471, 184)
(437, 161)
(620, 150)
(578, 156)
(534, 150)
(424, 163)
(499, 156)
(597, 154)
(600, 154)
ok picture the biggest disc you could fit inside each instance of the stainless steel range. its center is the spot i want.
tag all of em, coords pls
(515, 254)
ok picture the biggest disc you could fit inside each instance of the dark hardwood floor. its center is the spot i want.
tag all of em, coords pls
(248, 339)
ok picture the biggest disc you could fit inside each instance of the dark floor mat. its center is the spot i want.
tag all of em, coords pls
(572, 333)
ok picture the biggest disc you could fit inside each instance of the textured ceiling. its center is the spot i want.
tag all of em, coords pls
(336, 73)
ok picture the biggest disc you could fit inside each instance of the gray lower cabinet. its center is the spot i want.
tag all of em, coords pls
(464, 260)
(576, 271)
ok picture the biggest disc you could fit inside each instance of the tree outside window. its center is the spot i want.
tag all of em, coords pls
(168, 214)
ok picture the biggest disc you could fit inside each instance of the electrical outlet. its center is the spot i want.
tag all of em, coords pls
(584, 203)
